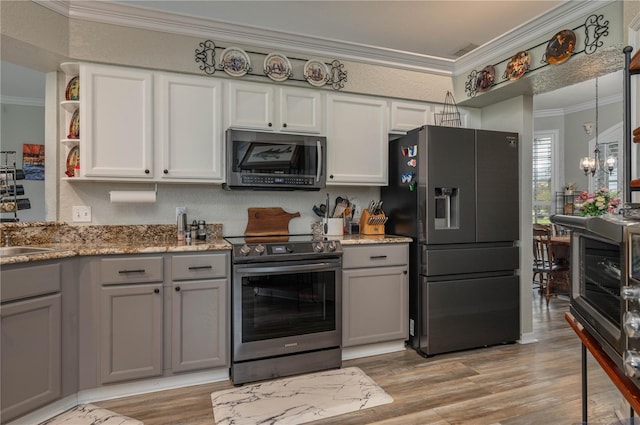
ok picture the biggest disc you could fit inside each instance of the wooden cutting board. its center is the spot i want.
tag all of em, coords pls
(268, 221)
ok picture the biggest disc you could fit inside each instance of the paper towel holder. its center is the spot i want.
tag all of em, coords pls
(133, 196)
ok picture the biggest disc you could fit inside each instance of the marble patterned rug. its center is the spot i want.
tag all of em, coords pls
(88, 414)
(298, 399)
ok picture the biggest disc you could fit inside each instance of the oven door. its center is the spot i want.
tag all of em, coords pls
(286, 307)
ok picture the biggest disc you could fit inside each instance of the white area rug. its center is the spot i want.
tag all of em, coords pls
(299, 399)
(88, 414)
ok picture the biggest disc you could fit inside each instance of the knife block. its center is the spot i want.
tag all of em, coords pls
(371, 229)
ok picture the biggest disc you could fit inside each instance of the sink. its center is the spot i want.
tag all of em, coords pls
(8, 251)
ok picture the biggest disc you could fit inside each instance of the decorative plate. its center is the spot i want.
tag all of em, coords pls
(316, 73)
(235, 62)
(486, 78)
(74, 126)
(277, 67)
(73, 159)
(517, 66)
(73, 89)
(560, 47)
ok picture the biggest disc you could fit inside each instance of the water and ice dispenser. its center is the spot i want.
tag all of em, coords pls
(447, 211)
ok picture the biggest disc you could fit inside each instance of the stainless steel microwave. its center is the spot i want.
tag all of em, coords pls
(275, 161)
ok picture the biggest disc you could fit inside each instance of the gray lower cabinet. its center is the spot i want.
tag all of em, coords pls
(30, 324)
(199, 298)
(131, 314)
(375, 294)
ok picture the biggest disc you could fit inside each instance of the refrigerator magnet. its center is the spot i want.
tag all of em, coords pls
(413, 151)
(407, 177)
(412, 163)
(405, 151)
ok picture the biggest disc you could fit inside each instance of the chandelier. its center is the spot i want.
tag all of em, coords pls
(593, 164)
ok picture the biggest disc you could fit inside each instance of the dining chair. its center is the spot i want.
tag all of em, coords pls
(554, 269)
(540, 261)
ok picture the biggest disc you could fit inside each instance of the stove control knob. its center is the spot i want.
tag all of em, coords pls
(259, 249)
(631, 322)
(318, 246)
(245, 249)
(632, 363)
(630, 293)
(332, 246)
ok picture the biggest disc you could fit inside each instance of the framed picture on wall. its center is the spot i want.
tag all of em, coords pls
(33, 161)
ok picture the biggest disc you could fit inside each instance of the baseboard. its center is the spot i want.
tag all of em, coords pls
(128, 389)
(527, 338)
(350, 353)
(47, 412)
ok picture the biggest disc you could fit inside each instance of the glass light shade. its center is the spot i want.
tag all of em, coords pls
(587, 164)
(611, 164)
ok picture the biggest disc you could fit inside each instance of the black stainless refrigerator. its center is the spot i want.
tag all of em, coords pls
(455, 192)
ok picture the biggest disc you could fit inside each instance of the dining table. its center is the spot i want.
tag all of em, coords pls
(561, 248)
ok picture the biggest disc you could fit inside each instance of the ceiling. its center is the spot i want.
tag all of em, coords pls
(441, 29)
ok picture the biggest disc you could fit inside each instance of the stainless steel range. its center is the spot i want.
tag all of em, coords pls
(286, 293)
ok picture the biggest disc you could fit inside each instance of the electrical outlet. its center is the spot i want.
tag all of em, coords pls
(81, 213)
(180, 210)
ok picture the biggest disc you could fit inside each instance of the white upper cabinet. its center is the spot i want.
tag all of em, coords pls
(268, 108)
(189, 134)
(116, 121)
(406, 116)
(357, 140)
(141, 125)
(301, 111)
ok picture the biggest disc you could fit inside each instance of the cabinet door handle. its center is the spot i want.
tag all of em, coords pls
(404, 272)
(147, 171)
(270, 124)
(165, 171)
(284, 125)
(156, 291)
(378, 257)
(131, 271)
(199, 267)
(177, 289)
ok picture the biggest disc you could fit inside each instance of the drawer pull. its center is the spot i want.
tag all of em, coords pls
(177, 289)
(131, 271)
(199, 267)
(156, 291)
(378, 257)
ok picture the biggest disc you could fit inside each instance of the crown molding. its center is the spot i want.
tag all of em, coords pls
(591, 104)
(506, 44)
(224, 32)
(22, 101)
(548, 113)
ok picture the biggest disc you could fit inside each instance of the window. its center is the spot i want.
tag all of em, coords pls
(610, 145)
(602, 178)
(544, 171)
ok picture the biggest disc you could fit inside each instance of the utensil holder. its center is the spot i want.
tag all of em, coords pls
(334, 226)
(371, 224)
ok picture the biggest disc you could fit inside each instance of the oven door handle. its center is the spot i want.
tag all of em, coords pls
(319, 153)
(285, 269)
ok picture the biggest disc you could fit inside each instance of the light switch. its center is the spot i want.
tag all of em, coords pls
(81, 213)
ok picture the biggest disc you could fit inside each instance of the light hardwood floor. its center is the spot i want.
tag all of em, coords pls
(512, 384)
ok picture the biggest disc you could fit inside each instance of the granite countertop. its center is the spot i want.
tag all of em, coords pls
(71, 241)
(347, 240)
(65, 250)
